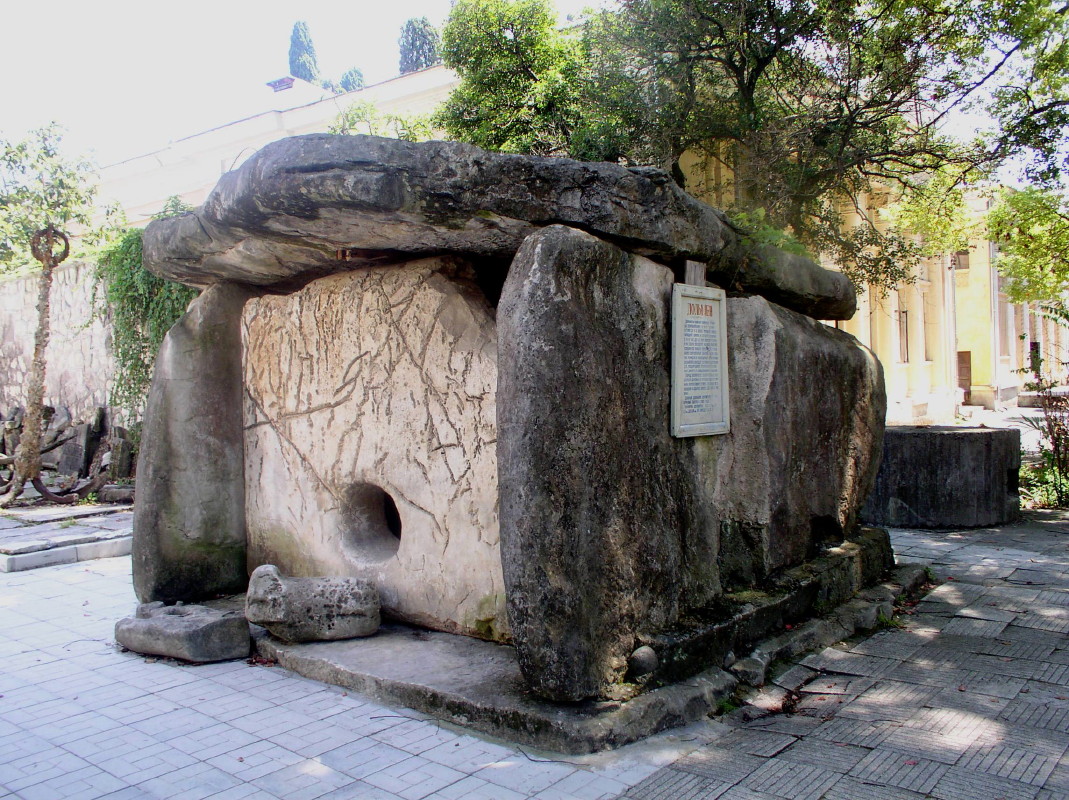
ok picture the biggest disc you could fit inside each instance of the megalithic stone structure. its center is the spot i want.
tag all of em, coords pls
(445, 372)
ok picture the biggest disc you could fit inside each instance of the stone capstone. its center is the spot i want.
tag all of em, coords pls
(370, 428)
(189, 515)
(311, 609)
(190, 633)
(612, 529)
(946, 477)
(321, 203)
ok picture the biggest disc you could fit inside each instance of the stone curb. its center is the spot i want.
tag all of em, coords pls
(854, 616)
(105, 548)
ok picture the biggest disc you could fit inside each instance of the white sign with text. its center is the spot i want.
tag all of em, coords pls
(699, 361)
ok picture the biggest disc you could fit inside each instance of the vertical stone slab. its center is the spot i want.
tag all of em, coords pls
(189, 517)
(370, 430)
(597, 499)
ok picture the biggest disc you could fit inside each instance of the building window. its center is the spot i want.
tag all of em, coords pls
(961, 259)
(903, 336)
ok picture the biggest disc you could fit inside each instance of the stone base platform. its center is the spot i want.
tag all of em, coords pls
(477, 684)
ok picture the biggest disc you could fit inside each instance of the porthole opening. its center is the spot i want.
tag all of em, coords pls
(372, 523)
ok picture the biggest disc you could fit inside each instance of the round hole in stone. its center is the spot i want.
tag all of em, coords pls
(372, 522)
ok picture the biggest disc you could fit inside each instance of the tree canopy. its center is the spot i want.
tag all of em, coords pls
(520, 77)
(418, 45)
(351, 80)
(303, 61)
(1031, 228)
(40, 188)
(814, 108)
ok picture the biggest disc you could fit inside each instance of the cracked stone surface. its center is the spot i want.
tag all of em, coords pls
(370, 439)
(289, 209)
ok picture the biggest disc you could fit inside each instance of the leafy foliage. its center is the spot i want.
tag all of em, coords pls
(364, 117)
(817, 111)
(303, 61)
(351, 80)
(142, 308)
(520, 77)
(1032, 228)
(39, 187)
(418, 45)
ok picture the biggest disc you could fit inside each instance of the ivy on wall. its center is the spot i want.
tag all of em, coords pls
(141, 308)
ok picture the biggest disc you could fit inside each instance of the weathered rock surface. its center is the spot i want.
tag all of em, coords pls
(610, 527)
(191, 633)
(596, 497)
(189, 516)
(311, 609)
(807, 419)
(292, 207)
(946, 477)
(370, 437)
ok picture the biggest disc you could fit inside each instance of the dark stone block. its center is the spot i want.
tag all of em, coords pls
(946, 477)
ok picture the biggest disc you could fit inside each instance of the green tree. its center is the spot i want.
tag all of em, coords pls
(303, 61)
(816, 108)
(42, 194)
(520, 77)
(351, 80)
(1031, 227)
(141, 308)
(418, 45)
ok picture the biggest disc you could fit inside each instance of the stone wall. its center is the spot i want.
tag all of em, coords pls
(80, 363)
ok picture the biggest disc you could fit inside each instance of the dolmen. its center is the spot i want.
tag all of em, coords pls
(447, 373)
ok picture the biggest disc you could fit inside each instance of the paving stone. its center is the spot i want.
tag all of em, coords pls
(1037, 715)
(414, 778)
(795, 677)
(847, 663)
(672, 784)
(963, 784)
(894, 768)
(961, 626)
(755, 742)
(1012, 763)
(786, 779)
(468, 788)
(304, 780)
(847, 788)
(720, 766)
(857, 732)
(832, 757)
(838, 684)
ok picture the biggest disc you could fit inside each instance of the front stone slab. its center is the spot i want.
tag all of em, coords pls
(189, 515)
(370, 431)
(613, 530)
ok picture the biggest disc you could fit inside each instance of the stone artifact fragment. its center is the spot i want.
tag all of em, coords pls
(946, 477)
(191, 633)
(189, 519)
(299, 203)
(311, 609)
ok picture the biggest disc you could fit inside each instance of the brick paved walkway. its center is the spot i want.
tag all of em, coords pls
(969, 700)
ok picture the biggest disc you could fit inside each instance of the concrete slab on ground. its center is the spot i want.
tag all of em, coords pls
(34, 537)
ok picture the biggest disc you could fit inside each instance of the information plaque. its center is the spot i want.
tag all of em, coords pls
(699, 361)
